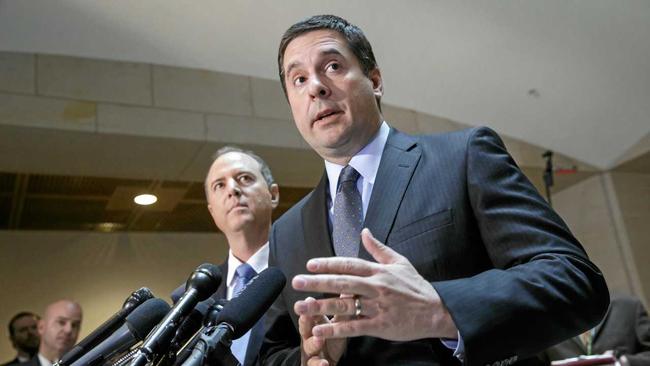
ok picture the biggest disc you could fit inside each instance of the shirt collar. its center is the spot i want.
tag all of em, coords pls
(259, 261)
(44, 361)
(366, 161)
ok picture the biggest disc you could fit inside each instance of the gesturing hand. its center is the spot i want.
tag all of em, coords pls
(392, 300)
(317, 351)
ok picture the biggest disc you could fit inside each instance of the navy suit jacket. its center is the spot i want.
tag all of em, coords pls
(257, 332)
(457, 206)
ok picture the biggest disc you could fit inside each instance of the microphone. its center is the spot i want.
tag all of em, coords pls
(136, 326)
(237, 317)
(188, 328)
(108, 327)
(203, 282)
(209, 320)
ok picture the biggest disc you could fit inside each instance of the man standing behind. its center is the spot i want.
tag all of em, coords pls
(458, 253)
(241, 196)
(23, 334)
(59, 330)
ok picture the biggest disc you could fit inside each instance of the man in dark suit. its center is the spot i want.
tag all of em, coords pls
(23, 334)
(474, 259)
(241, 196)
(59, 330)
(624, 333)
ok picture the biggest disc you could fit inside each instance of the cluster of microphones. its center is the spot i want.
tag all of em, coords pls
(196, 331)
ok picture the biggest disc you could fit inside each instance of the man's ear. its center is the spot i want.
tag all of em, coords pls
(377, 82)
(40, 327)
(275, 195)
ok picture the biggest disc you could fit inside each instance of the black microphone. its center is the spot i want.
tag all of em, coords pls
(107, 328)
(237, 317)
(135, 328)
(203, 282)
(209, 320)
(188, 328)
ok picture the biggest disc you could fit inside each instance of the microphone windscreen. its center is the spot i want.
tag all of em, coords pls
(243, 311)
(142, 320)
(205, 279)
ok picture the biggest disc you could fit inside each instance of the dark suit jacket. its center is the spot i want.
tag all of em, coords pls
(12, 362)
(257, 333)
(625, 330)
(34, 361)
(457, 206)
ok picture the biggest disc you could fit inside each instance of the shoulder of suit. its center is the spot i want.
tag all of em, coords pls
(444, 142)
(295, 211)
(450, 136)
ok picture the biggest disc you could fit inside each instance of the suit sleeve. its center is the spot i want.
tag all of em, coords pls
(281, 344)
(543, 288)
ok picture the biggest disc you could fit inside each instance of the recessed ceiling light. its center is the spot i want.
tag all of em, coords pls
(108, 227)
(145, 199)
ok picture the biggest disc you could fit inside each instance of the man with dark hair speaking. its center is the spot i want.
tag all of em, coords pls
(412, 250)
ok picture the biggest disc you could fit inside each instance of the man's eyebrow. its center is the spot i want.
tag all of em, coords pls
(291, 66)
(331, 51)
(325, 52)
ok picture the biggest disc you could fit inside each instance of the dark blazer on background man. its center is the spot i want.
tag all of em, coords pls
(257, 332)
(624, 330)
(513, 277)
(34, 361)
(13, 362)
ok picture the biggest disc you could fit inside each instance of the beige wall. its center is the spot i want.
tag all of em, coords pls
(633, 193)
(609, 213)
(99, 270)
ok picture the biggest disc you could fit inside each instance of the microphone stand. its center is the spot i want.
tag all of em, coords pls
(213, 348)
(548, 175)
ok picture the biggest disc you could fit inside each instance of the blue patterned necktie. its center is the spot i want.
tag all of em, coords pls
(348, 215)
(243, 274)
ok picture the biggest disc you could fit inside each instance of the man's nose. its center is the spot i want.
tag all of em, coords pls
(318, 89)
(233, 188)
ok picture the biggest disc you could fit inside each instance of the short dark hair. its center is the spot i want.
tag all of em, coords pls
(264, 167)
(353, 35)
(18, 316)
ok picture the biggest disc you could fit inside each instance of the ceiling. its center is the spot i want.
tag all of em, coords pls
(570, 76)
(57, 202)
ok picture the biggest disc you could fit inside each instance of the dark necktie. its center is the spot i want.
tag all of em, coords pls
(348, 215)
(243, 274)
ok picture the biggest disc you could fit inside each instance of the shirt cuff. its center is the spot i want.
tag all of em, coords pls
(457, 345)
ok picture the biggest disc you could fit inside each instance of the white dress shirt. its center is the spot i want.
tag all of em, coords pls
(259, 261)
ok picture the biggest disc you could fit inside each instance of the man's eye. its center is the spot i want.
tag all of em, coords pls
(217, 186)
(245, 179)
(299, 80)
(334, 66)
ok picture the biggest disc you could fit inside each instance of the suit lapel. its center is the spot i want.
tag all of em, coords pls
(318, 241)
(222, 290)
(599, 327)
(254, 342)
(398, 162)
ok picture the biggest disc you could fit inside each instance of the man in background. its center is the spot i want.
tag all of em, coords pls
(241, 195)
(58, 330)
(624, 333)
(23, 334)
